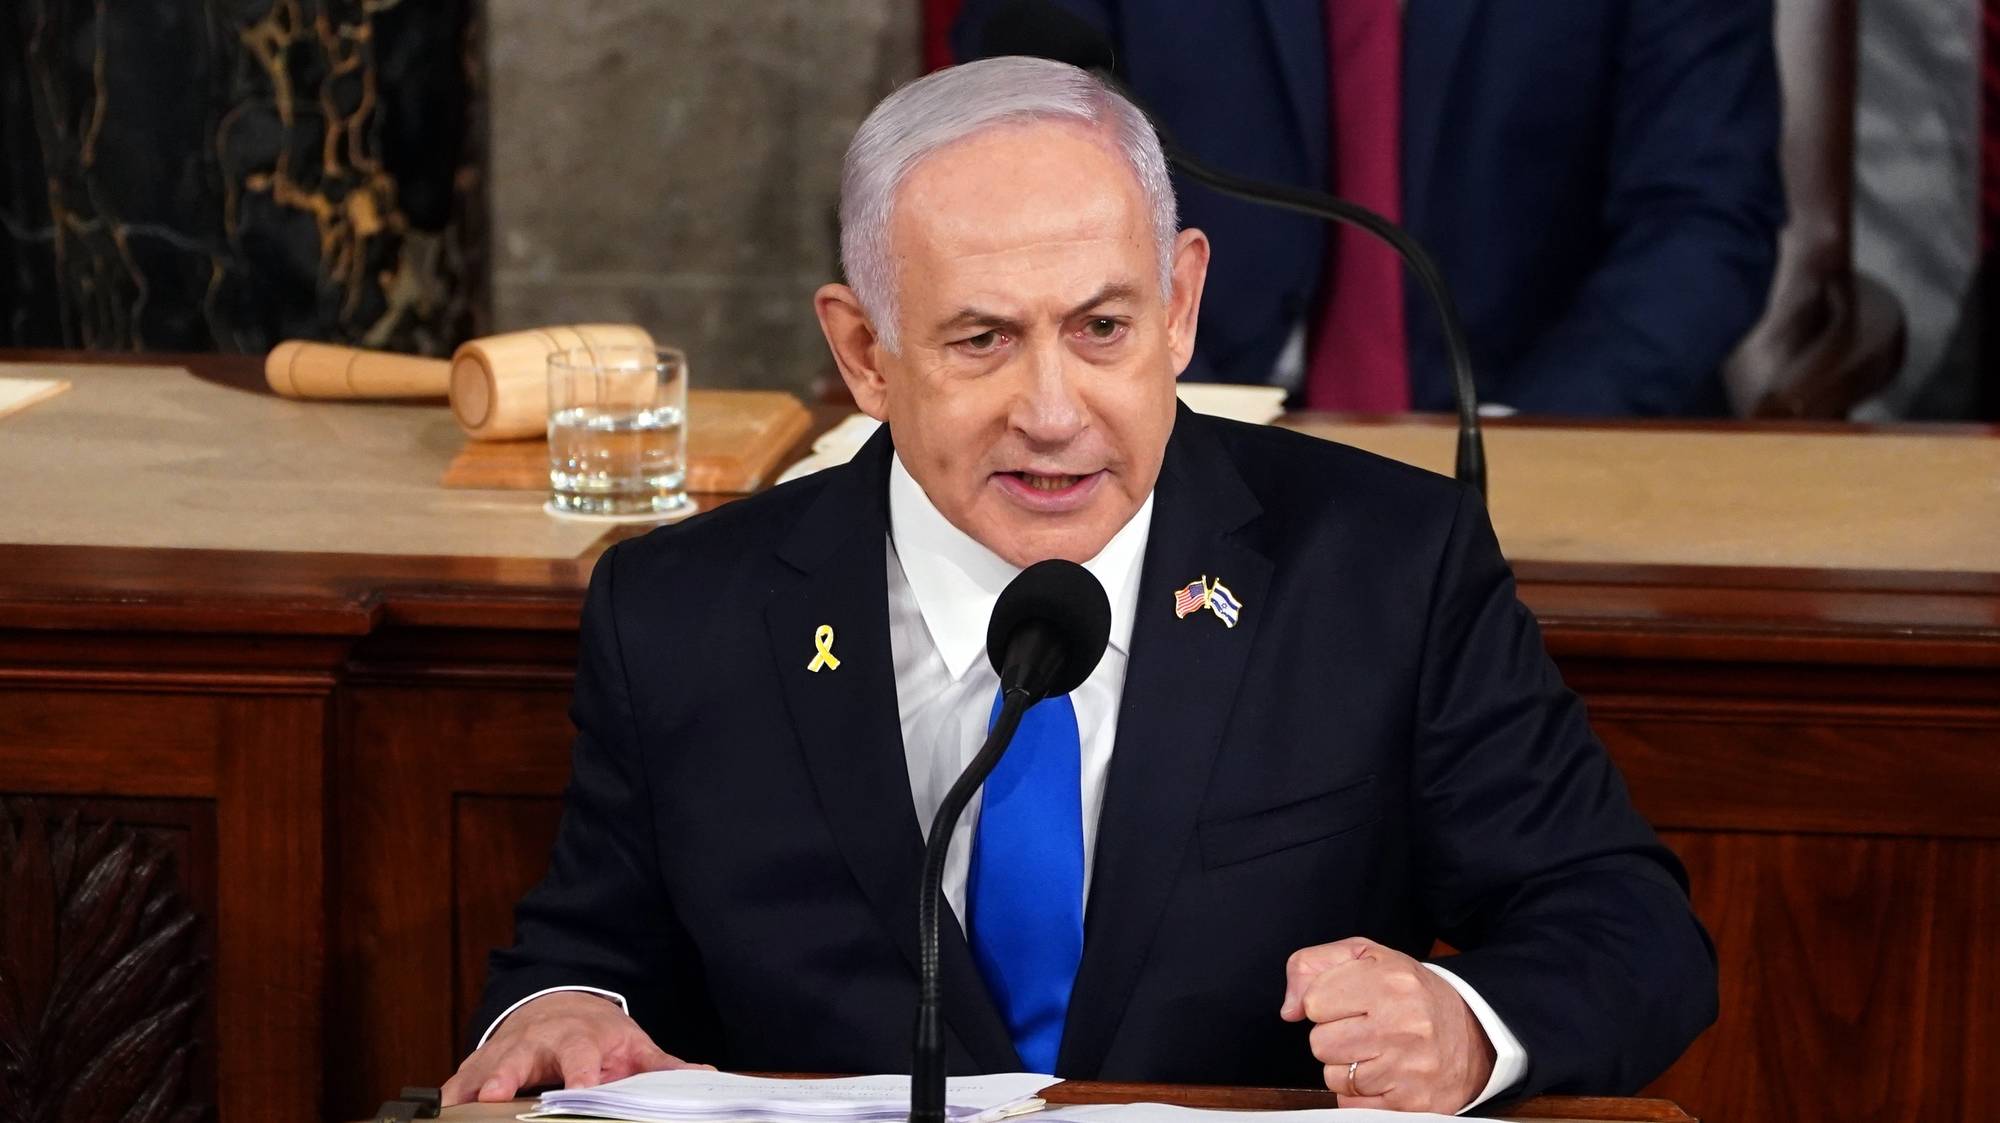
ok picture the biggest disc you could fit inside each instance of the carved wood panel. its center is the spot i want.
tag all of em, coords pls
(106, 1010)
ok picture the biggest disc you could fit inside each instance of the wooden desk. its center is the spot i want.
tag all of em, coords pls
(1565, 1109)
(343, 771)
(1543, 1109)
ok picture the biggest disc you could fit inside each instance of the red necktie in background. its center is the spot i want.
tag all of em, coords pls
(1360, 356)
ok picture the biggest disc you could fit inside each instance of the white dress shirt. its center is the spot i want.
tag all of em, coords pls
(942, 586)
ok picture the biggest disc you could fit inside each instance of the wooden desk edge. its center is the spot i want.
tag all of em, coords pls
(1542, 1109)
(1584, 1109)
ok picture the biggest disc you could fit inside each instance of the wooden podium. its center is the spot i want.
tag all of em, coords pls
(326, 756)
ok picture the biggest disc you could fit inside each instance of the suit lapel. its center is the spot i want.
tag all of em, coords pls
(1302, 63)
(848, 724)
(1429, 58)
(1180, 684)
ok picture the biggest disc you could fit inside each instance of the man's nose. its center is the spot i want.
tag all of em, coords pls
(1047, 410)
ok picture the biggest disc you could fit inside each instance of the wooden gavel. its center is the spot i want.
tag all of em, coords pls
(498, 384)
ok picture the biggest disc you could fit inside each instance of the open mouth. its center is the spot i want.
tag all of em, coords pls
(1051, 492)
(1047, 483)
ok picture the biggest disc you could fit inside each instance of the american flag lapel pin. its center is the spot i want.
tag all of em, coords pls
(1191, 598)
(1212, 595)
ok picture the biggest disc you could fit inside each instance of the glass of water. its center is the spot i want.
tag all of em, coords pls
(618, 432)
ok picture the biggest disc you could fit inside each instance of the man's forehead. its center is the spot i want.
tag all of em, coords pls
(1017, 183)
(1032, 214)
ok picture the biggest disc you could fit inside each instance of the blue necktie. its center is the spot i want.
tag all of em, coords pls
(1024, 896)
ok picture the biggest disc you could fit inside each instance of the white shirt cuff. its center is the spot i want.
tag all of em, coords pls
(1510, 1058)
(610, 994)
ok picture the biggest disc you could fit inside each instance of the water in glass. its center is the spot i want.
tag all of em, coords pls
(617, 433)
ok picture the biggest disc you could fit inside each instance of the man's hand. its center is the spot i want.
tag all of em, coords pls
(1419, 1046)
(574, 1037)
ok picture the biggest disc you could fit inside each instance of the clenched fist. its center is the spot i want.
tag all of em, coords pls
(1390, 1033)
(574, 1037)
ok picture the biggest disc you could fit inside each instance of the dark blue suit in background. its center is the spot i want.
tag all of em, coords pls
(1598, 179)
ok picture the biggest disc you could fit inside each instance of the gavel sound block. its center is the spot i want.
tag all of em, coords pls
(498, 385)
(499, 391)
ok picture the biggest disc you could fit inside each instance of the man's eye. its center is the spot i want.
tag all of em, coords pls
(984, 341)
(1102, 328)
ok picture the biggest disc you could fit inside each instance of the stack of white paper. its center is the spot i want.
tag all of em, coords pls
(701, 1096)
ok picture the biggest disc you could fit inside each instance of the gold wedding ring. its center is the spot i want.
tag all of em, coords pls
(1351, 1090)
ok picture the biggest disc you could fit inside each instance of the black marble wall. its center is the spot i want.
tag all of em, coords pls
(224, 174)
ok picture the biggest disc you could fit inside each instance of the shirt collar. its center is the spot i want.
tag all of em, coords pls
(956, 580)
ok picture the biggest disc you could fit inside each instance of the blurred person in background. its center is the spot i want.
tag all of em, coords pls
(1599, 182)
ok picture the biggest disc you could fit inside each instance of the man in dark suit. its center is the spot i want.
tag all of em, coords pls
(1324, 733)
(1598, 181)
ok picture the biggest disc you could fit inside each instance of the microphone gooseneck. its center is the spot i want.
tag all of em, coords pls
(1047, 633)
(1470, 467)
(1042, 29)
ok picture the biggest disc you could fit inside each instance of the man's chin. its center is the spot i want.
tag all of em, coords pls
(1023, 541)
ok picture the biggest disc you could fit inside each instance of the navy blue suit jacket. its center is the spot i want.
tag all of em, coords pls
(1380, 747)
(1597, 178)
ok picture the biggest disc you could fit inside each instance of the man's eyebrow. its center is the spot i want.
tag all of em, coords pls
(1115, 291)
(979, 317)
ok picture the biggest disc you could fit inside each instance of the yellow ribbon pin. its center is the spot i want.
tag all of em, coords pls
(823, 640)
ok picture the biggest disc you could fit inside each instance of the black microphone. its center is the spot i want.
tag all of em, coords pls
(1047, 634)
(1041, 29)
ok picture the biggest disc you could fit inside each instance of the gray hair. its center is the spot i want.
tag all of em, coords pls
(951, 105)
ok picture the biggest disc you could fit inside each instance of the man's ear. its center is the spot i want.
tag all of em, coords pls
(852, 339)
(1184, 305)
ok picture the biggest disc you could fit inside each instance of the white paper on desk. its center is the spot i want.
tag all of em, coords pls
(1252, 405)
(20, 393)
(701, 1096)
(1163, 1113)
(1256, 405)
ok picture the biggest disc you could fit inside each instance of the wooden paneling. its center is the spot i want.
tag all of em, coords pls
(415, 766)
(75, 742)
(1835, 768)
(1843, 842)
(1857, 976)
(500, 848)
(391, 952)
(271, 853)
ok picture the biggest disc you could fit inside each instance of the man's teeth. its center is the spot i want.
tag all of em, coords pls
(1047, 483)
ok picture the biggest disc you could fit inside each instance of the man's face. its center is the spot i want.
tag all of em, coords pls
(1034, 391)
